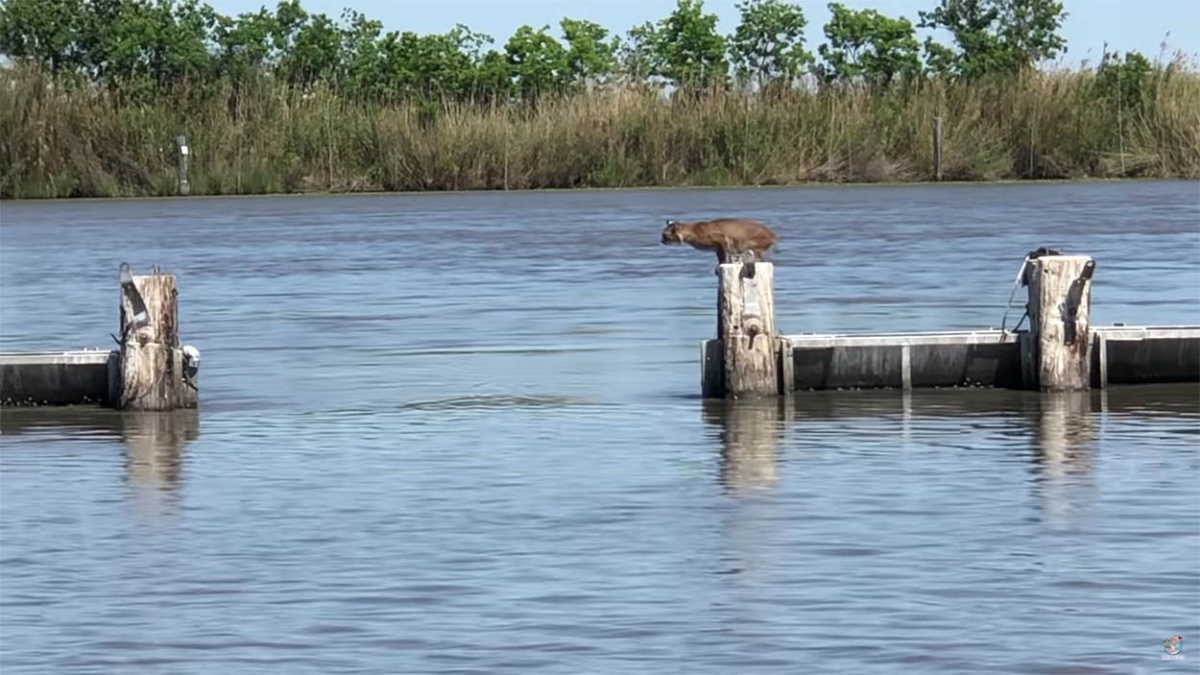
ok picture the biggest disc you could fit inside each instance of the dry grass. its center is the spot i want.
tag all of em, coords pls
(57, 142)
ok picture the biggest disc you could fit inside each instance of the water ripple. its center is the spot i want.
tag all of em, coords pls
(496, 460)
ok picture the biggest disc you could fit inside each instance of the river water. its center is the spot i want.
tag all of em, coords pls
(461, 433)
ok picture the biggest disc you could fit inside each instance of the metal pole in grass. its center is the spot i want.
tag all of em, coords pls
(181, 147)
(937, 149)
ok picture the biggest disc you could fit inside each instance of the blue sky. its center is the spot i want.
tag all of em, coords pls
(1125, 24)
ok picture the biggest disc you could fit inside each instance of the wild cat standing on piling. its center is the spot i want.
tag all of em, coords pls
(729, 238)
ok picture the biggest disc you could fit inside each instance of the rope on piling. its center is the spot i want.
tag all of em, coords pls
(1022, 281)
(1017, 283)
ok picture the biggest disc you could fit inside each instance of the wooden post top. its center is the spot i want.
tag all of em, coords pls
(1064, 256)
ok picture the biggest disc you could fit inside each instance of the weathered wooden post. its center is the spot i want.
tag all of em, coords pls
(181, 148)
(937, 149)
(746, 334)
(156, 374)
(1056, 352)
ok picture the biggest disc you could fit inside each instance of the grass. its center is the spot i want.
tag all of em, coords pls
(71, 142)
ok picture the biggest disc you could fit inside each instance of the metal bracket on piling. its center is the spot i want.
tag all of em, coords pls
(140, 316)
(1070, 306)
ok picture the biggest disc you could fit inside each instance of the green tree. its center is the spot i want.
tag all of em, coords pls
(114, 40)
(591, 56)
(140, 44)
(868, 45)
(1124, 83)
(45, 32)
(538, 62)
(145, 46)
(244, 46)
(451, 65)
(363, 67)
(491, 79)
(768, 44)
(687, 48)
(994, 36)
(182, 46)
(473, 68)
(315, 53)
(421, 67)
(636, 59)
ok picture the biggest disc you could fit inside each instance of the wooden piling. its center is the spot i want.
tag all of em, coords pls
(747, 333)
(181, 148)
(152, 363)
(1055, 354)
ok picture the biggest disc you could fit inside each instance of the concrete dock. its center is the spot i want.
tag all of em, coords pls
(151, 371)
(1144, 355)
(62, 378)
(987, 358)
(991, 358)
(1059, 351)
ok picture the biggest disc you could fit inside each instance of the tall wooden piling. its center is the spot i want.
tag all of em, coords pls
(746, 332)
(1055, 354)
(152, 368)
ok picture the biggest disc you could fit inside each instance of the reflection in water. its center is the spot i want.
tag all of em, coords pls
(906, 416)
(1065, 432)
(1063, 453)
(154, 442)
(911, 407)
(750, 436)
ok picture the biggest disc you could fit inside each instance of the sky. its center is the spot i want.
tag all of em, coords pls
(1142, 25)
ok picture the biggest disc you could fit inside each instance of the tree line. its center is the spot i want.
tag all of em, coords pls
(148, 46)
(287, 101)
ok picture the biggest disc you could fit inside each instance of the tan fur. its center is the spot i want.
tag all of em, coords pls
(728, 237)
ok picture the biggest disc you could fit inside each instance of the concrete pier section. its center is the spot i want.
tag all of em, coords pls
(992, 358)
(1145, 354)
(1059, 351)
(62, 378)
(151, 371)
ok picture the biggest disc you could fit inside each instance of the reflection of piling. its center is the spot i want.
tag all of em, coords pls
(1065, 431)
(750, 436)
(1063, 455)
(154, 442)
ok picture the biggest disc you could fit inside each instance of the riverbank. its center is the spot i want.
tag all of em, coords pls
(59, 142)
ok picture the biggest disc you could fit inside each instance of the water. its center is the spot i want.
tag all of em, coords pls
(461, 433)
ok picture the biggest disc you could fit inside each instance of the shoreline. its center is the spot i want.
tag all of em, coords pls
(824, 185)
(1045, 128)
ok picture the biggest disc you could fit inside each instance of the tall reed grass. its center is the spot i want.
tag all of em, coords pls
(59, 141)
